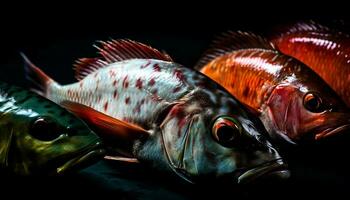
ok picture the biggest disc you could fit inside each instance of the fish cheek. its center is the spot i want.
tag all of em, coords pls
(281, 111)
(203, 156)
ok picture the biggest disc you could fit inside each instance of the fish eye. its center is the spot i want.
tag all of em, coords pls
(45, 129)
(313, 103)
(226, 130)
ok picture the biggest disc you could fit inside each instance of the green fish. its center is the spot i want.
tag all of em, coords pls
(38, 136)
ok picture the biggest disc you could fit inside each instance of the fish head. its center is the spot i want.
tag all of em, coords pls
(43, 138)
(305, 112)
(206, 140)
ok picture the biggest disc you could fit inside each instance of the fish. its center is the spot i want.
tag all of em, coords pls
(295, 105)
(325, 51)
(154, 111)
(39, 137)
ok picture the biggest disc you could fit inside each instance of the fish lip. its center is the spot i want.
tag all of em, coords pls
(88, 156)
(331, 131)
(275, 166)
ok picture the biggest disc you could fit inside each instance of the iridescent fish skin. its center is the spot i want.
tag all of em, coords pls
(325, 51)
(292, 101)
(37, 136)
(190, 125)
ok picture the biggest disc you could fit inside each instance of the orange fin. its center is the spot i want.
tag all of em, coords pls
(232, 41)
(107, 127)
(116, 51)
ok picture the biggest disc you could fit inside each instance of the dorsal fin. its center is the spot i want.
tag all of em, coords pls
(85, 66)
(305, 26)
(231, 41)
(116, 51)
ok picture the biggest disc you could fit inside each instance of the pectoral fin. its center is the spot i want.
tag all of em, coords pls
(115, 133)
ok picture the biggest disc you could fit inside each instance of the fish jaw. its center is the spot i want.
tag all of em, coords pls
(86, 157)
(274, 169)
(330, 131)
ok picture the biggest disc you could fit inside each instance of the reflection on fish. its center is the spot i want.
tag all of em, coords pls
(325, 51)
(163, 114)
(39, 137)
(293, 102)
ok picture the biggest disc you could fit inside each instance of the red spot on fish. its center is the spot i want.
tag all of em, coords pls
(139, 83)
(105, 106)
(115, 83)
(127, 100)
(177, 111)
(156, 68)
(176, 89)
(155, 96)
(151, 82)
(138, 106)
(125, 82)
(181, 123)
(145, 65)
(69, 93)
(112, 73)
(115, 94)
(179, 75)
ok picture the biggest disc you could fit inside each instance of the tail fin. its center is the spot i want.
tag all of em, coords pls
(39, 81)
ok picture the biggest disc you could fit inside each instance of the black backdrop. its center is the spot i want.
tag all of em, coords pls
(54, 39)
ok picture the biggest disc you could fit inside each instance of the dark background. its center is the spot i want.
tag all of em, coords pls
(54, 37)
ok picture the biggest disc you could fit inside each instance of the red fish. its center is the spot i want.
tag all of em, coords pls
(325, 51)
(161, 113)
(293, 102)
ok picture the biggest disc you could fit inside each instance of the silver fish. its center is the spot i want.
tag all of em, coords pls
(166, 115)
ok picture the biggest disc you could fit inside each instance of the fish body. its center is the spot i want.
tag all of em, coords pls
(325, 51)
(292, 101)
(187, 123)
(39, 137)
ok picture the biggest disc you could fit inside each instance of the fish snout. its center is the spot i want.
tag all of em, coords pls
(271, 171)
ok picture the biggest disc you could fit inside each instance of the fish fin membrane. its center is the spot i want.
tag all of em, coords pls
(304, 26)
(38, 80)
(231, 41)
(86, 66)
(116, 51)
(106, 126)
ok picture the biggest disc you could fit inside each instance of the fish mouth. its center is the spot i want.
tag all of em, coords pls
(84, 158)
(276, 169)
(331, 131)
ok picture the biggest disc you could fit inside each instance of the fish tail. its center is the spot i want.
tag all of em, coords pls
(39, 81)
